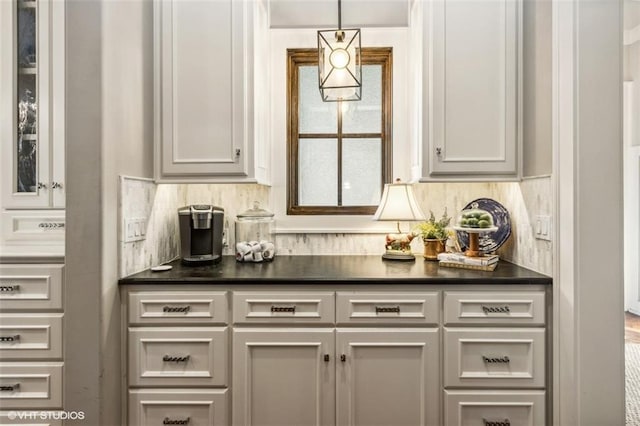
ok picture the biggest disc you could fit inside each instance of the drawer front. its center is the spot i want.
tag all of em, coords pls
(30, 385)
(387, 308)
(283, 307)
(13, 418)
(27, 287)
(178, 307)
(30, 336)
(178, 356)
(494, 408)
(153, 407)
(492, 307)
(506, 357)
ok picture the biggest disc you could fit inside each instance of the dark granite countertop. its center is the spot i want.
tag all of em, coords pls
(334, 269)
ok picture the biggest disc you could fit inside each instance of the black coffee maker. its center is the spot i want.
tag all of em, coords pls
(201, 233)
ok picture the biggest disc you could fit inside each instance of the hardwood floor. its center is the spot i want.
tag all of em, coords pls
(631, 328)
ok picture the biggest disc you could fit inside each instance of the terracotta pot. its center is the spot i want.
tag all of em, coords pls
(433, 247)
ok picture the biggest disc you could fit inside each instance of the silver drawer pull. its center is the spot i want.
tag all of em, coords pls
(496, 309)
(171, 358)
(177, 309)
(387, 309)
(10, 388)
(291, 309)
(168, 421)
(9, 338)
(504, 422)
(9, 288)
(496, 360)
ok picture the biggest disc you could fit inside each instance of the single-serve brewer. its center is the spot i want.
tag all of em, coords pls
(201, 233)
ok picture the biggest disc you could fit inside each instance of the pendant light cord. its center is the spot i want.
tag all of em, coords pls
(339, 14)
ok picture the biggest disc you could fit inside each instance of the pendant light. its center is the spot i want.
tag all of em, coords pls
(339, 63)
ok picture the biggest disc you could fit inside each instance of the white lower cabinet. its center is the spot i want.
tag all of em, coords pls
(333, 356)
(387, 377)
(365, 377)
(31, 342)
(494, 408)
(284, 377)
(193, 407)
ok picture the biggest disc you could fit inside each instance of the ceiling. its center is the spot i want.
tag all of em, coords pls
(324, 13)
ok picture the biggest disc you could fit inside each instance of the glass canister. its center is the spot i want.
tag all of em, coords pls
(255, 238)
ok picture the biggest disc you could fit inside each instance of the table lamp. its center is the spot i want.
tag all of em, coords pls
(398, 203)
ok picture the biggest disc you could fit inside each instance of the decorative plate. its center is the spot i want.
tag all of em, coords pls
(490, 241)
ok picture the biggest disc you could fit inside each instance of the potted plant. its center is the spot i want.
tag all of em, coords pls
(434, 235)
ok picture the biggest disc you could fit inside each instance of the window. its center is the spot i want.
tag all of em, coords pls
(339, 152)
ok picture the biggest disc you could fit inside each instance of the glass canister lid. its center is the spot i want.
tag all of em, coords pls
(256, 212)
(475, 218)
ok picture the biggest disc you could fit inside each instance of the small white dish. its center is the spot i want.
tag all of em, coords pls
(161, 268)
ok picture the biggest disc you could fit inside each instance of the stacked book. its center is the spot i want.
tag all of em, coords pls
(460, 260)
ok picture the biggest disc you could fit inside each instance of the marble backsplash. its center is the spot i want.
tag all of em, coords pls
(159, 203)
(140, 198)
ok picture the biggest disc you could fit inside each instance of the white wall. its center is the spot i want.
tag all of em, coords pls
(109, 132)
(127, 148)
(83, 268)
(588, 290)
(537, 111)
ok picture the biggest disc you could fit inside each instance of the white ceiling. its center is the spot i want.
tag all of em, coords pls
(324, 13)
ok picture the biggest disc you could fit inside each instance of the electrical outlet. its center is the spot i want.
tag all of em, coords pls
(542, 227)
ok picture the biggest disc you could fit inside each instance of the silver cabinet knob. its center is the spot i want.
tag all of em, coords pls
(42, 185)
(56, 185)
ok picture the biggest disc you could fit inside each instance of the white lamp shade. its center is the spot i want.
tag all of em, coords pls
(398, 203)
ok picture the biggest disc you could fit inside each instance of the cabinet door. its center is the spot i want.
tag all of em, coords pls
(202, 82)
(32, 45)
(387, 377)
(283, 377)
(474, 89)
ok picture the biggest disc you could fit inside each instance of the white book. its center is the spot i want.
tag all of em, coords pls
(462, 258)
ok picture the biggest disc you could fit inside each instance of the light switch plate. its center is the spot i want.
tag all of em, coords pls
(135, 229)
(542, 227)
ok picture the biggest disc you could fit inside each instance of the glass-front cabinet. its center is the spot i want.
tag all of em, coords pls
(32, 103)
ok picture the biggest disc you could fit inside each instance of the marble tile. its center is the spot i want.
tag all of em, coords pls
(524, 200)
(158, 204)
(142, 198)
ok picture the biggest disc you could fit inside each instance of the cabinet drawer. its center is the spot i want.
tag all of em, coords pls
(283, 307)
(494, 408)
(178, 307)
(492, 307)
(30, 287)
(193, 407)
(507, 357)
(387, 308)
(30, 385)
(30, 336)
(6, 419)
(178, 356)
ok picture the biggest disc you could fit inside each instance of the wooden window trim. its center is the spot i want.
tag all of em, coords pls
(370, 56)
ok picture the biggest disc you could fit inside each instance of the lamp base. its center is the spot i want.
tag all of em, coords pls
(399, 256)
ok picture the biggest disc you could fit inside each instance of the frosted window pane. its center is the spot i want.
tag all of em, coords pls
(318, 172)
(314, 115)
(365, 116)
(361, 172)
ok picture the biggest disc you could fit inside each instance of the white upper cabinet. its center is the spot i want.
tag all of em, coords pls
(204, 91)
(32, 104)
(471, 89)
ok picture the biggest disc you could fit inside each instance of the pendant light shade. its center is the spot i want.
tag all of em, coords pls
(339, 63)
